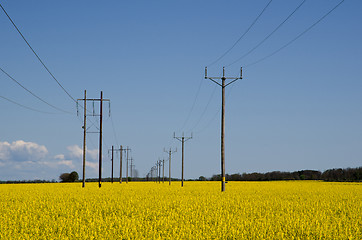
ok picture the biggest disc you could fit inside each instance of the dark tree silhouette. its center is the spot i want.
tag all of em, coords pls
(336, 175)
(73, 176)
(69, 177)
(202, 178)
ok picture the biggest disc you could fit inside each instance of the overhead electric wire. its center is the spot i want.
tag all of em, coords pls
(205, 109)
(33, 94)
(193, 105)
(26, 107)
(266, 38)
(247, 30)
(294, 39)
(215, 115)
(37, 56)
(114, 131)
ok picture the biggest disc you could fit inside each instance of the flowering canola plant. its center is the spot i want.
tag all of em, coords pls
(199, 210)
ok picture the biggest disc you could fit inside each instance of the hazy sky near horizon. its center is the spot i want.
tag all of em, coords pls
(299, 109)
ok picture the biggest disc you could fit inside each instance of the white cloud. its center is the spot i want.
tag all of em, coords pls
(21, 151)
(92, 165)
(28, 160)
(93, 154)
(68, 163)
(59, 156)
(58, 161)
(77, 152)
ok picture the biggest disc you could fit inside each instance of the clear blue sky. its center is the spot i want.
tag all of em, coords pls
(299, 109)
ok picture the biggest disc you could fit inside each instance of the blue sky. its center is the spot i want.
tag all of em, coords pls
(299, 109)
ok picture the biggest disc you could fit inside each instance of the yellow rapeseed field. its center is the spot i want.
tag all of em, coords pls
(247, 210)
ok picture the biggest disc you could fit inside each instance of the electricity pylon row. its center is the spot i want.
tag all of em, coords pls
(155, 172)
(121, 150)
(160, 163)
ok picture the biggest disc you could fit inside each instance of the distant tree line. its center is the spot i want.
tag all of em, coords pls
(335, 175)
(331, 175)
(27, 181)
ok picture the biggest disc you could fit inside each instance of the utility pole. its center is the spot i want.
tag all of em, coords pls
(127, 167)
(154, 170)
(159, 163)
(169, 163)
(223, 85)
(127, 159)
(85, 131)
(121, 150)
(100, 140)
(120, 163)
(152, 173)
(163, 170)
(112, 166)
(84, 134)
(131, 165)
(182, 139)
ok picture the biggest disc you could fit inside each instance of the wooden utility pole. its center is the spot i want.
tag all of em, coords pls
(223, 85)
(131, 165)
(120, 163)
(169, 163)
(120, 150)
(163, 170)
(100, 140)
(84, 134)
(127, 159)
(127, 167)
(159, 163)
(183, 139)
(155, 173)
(112, 166)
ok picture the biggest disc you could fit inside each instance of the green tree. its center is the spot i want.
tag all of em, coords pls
(73, 176)
(202, 178)
(69, 177)
(64, 177)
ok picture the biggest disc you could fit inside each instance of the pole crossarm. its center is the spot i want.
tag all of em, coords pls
(183, 138)
(93, 99)
(92, 113)
(224, 78)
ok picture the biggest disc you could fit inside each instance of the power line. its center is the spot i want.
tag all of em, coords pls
(216, 113)
(273, 53)
(21, 105)
(37, 56)
(193, 105)
(114, 131)
(247, 30)
(294, 39)
(207, 105)
(33, 94)
(266, 38)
